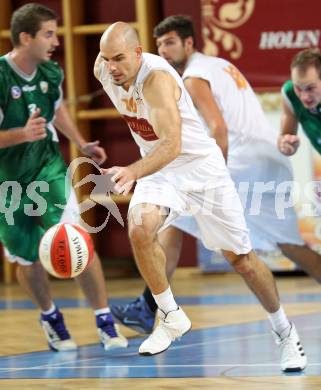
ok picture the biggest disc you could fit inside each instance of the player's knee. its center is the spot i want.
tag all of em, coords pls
(140, 235)
(242, 264)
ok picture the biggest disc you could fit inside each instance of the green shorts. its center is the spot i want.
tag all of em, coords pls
(28, 210)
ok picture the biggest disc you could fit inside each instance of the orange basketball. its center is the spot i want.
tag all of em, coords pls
(66, 250)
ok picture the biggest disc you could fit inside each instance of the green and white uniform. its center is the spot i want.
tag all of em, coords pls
(310, 120)
(27, 207)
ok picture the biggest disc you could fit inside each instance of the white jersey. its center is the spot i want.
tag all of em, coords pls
(252, 150)
(196, 144)
(252, 154)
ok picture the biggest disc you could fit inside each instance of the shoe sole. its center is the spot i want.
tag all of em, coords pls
(157, 353)
(53, 349)
(113, 347)
(294, 369)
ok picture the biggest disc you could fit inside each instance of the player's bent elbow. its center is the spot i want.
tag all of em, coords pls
(173, 154)
(172, 149)
(177, 150)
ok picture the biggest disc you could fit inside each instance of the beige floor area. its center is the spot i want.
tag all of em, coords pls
(16, 338)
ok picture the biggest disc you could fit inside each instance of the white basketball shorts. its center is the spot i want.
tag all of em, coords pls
(206, 192)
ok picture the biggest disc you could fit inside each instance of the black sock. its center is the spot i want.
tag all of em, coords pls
(147, 294)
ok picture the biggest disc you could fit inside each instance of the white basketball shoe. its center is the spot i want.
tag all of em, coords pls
(293, 358)
(108, 332)
(171, 326)
(56, 332)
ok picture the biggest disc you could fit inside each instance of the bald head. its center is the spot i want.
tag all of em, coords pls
(120, 48)
(119, 34)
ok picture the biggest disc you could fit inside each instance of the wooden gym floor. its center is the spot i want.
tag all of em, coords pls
(230, 346)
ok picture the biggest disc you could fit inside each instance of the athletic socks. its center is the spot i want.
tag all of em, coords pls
(99, 312)
(280, 323)
(51, 310)
(165, 301)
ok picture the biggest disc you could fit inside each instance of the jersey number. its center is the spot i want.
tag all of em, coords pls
(32, 108)
(236, 76)
(131, 105)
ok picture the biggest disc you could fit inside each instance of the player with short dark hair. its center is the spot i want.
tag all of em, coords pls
(31, 166)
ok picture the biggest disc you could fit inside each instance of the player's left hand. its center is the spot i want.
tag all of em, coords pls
(124, 177)
(96, 152)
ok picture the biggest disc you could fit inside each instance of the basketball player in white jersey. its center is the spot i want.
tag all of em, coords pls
(181, 170)
(232, 115)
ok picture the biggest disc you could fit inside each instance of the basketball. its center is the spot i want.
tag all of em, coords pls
(66, 250)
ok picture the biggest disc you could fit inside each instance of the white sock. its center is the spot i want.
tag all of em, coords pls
(165, 301)
(280, 323)
(50, 311)
(105, 310)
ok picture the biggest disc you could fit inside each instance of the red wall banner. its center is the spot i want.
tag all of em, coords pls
(260, 36)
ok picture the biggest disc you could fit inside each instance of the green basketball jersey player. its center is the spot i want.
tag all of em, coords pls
(33, 194)
(301, 102)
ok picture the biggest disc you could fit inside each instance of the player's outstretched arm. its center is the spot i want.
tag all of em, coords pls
(161, 93)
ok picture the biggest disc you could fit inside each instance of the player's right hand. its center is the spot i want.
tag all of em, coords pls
(288, 144)
(35, 128)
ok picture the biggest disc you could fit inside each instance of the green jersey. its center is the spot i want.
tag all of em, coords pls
(310, 119)
(20, 95)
